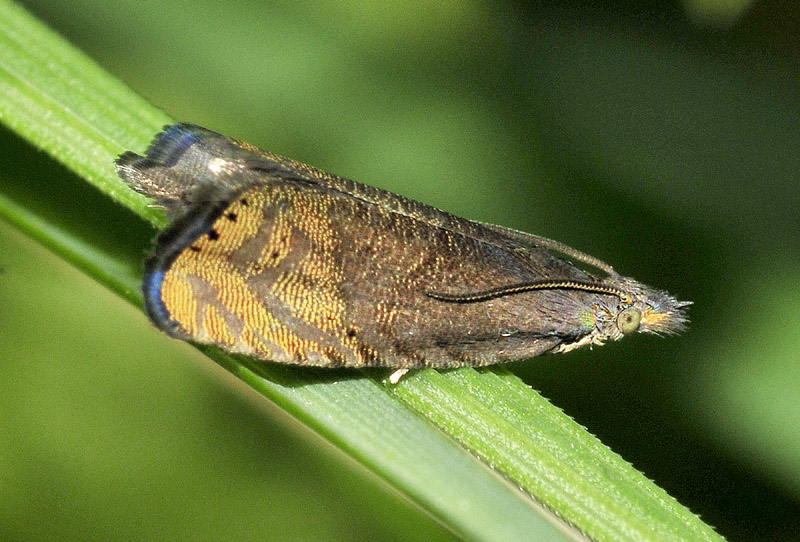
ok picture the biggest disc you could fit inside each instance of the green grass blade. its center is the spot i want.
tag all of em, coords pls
(62, 103)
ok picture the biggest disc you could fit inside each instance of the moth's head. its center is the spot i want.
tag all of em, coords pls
(641, 309)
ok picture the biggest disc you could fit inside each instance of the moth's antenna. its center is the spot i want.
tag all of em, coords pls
(549, 244)
(502, 291)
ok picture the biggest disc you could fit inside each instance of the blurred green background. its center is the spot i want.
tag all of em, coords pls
(661, 137)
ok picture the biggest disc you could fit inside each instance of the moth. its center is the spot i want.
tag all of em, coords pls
(278, 260)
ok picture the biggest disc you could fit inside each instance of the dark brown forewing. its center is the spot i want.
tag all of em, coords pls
(387, 263)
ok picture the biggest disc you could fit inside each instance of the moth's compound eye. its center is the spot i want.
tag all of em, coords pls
(628, 320)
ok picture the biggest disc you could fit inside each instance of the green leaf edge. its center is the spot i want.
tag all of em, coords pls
(60, 101)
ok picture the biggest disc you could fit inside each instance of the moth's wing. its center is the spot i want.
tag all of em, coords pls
(526, 246)
(392, 262)
(197, 283)
(259, 275)
(187, 165)
(311, 276)
(193, 225)
(196, 174)
(172, 167)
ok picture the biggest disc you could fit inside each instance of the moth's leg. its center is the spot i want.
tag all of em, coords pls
(395, 377)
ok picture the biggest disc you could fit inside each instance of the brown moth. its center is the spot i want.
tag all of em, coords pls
(283, 262)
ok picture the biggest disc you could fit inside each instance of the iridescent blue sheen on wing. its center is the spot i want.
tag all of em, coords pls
(168, 147)
(179, 236)
(156, 309)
